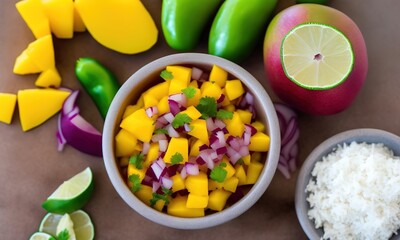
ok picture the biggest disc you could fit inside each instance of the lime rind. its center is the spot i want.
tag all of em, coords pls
(41, 236)
(313, 87)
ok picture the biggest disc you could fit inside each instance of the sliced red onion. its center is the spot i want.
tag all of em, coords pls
(60, 137)
(183, 173)
(200, 160)
(192, 168)
(221, 98)
(174, 106)
(159, 168)
(246, 138)
(186, 127)
(70, 104)
(156, 185)
(180, 98)
(145, 148)
(166, 182)
(158, 137)
(163, 145)
(196, 73)
(250, 129)
(151, 111)
(171, 131)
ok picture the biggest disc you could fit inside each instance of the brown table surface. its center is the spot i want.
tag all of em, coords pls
(31, 167)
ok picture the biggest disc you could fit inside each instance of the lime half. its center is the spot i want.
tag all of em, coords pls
(316, 56)
(41, 236)
(71, 195)
(82, 224)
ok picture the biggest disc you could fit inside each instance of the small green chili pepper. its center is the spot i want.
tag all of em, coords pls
(238, 26)
(183, 21)
(98, 81)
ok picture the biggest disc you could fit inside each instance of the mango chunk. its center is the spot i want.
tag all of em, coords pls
(34, 16)
(125, 143)
(197, 184)
(128, 27)
(199, 130)
(38, 105)
(259, 126)
(235, 125)
(192, 112)
(145, 194)
(41, 52)
(209, 89)
(259, 142)
(194, 101)
(163, 105)
(253, 172)
(196, 201)
(234, 89)
(61, 17)
(139, 124)
(245, 116)
(79, 26)
(218, 75)
(159, 91)
(49, 78)
(149, 100)
(177, 146)
(212, 185)
(181, 77)
(230, 170)
(178, 183)
(217, 199)
(195, 148)
(177, 207)
(231, 184)
(152, 154)
(24, 65)
(7, 106)
(240, 173)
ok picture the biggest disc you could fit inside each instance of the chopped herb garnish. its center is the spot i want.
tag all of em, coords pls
(224, 114)
(207, 107)
(165, 196)
(180, 120)
(176, 158)
(218, 173)
(63, 235)
(189, 92)
(137, 160)
(160, 131)
(167, 75)
(136, 182)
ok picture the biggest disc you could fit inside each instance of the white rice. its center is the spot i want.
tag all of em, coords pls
(355, 192)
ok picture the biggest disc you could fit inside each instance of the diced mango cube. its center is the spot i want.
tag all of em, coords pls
(7, 107)
(194, 84)
(49, 78)
(256, 157)
(25, 65)
(35, 17)
(177, 207)
(125, 143)
(37, 105)
(231, 184)
(145, 194)
(178, 183)
(259, 142)
(139, 124)
(163, 106)
(225, 102)
(253, 172)
(41, 52)
(235, 125)
(212, 185)
(245, 116)
(192, 112)
(234, 89)
(177, 145)
(230, 107)
(199, 130)
(133, 170)
(259, 126)
(159, 205)
(209, 89)
(240, 174)
(230, 170)
(195, 147)
(159, 90)
(196, 201)
(217, 199)
(61, 17)
(152, 154)
(149, 100)
(246, 159)
(197, 184)
(181, 78)
(218, 75)
(79, 25)
(129, 110)
(194, 101)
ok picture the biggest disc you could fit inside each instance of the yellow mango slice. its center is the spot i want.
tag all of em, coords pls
(177, 183)
(61, 17)
(139, 124)
(240, 173)
(197, 184)
(34, 16)
(212, 185)
(235, 125)
(245, 115)
(192, 112)
(130, 109)
(145, 194)
(218, 75)
(177, 207)
(230, 170)
(199, 130)
(159, 91)
(38, 105)
(194, 101)
(177, 145)
(133, 170)
(181, 78)
(79, 26)
(124, 26)
(231, 184)
(41, 52)
(24, 65)
(196, 201)
(7, 107)
(234, 89)
(195, 148)
(253, 172)
(125, 143)
(259, 142)
(217, 199)
(210, 89)
(163, 105)
(259, 126)
(49, 78)
(152, 154)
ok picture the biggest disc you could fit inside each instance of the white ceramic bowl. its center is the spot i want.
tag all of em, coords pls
(144, 78)
(359, 135)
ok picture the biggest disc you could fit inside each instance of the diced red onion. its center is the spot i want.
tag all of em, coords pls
(221, 150)
(246, 138)
(163, 145)
(145, 148)
(173, 106)
(221, 98)
(166, 182)
(159, 168)
(151, 111)
(156, 186)
(200, 160)
(196, 73)
(180, 98)
(183, 173)
(158, 137)
(171, 131)
(69, 105)
(187, 127)
(192, 168)
(250, 129)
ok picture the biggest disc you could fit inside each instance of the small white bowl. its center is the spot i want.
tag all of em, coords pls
(367, 135)
(144, 78)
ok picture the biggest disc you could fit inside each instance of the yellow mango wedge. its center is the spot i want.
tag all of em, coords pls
(25, 65)
(124, 26)
(7, 106)
(79, 26)
(61, 17)
(34, 16)
(41, 52)
(49, 78)
(38, 105)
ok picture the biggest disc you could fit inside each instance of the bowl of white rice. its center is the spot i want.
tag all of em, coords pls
(349, 187)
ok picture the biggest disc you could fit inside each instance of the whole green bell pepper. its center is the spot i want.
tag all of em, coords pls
(238, 26)
(98, 82)
(184, 21)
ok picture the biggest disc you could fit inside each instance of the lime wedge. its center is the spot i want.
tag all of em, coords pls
(316, 56)
(66, 227)
(41, 236)
(71, 195)
(82, 224)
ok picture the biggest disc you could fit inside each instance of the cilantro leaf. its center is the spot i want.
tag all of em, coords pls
(207, 107)
(165, 196)
(189, 92)
(176, 158)
(180, 119)
(224, 114)
(167, 75)
(137, 160)
(63, 235)
(160, 131)
(219, 173)
(136, 182)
